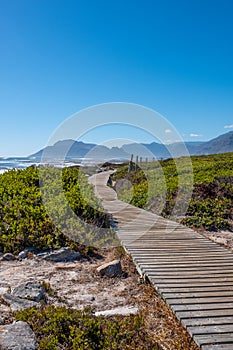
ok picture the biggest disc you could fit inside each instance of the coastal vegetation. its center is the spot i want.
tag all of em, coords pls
(64, 328)
(30, 198)
(26, 197)
(155, 187)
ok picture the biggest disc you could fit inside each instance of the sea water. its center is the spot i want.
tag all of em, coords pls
(22, 163)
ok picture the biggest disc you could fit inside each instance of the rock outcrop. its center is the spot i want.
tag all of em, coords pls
(61, 255)
(17, 303)
(30, 290)
(17, 336)
(8, 257)
(25, 296)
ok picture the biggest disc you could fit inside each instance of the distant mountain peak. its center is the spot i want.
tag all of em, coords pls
(78, 149)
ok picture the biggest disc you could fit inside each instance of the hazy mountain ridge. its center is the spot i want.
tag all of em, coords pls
(220, 144)
(68, 149)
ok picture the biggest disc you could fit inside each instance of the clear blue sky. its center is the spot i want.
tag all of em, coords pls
(57, 57)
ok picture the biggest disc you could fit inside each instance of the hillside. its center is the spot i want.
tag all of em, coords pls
(211, 203)
(220, 144)
(70, 149)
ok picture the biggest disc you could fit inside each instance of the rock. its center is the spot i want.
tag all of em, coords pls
(65, 267)
(2, 320)
(23, 254)
(86, 297)
(61, 255)
(8, 257)
(124, 311)
(17, 336)
(110, 269)
(25, 296)
(30, 290)
(17, 303)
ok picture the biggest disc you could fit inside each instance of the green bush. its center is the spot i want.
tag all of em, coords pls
(212, 197)
(24, 220)
(63, 328)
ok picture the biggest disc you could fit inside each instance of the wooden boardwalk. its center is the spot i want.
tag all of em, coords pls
(193, 274)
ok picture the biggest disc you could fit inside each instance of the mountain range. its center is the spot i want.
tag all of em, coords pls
(70, 149)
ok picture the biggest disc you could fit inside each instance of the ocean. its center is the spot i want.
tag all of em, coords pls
(14, 163)
(22, 163)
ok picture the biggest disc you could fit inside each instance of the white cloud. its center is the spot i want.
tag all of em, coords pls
(195, 135)
(228, 126)
(167, 131)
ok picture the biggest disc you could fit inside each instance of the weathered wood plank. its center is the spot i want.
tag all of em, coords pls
(214, 339)
(189, 294)
(185, 271)
(178, 256)
(205, 284)
(181, 264)
(211, 329)
(196, 289)
(188, 280)
(222, 320)
(201, 307)
(225, 346)
(204, 300)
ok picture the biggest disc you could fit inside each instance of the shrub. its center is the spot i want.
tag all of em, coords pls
(63, 328)
(24, 221)
(211, 203)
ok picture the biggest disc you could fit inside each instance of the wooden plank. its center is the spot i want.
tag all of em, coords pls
(192, 289)
(224, 320)
(185, 267)
(189, 294)
(171, 279)
(204, 300)
(185, 271)
(214, 338)
(179, 257)
(202, 307)
(211, 329)
(149, 248)
(225, 346)
(213, 313)
(187, 264)
(188, 253)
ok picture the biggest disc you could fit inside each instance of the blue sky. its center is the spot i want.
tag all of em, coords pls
(58, 57)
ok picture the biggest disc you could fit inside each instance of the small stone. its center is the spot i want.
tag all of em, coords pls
(17, 304)
(23, 254)
(17, 336)
(8, 257)
(2, 320)
(110, 269)
(31, 291)
(25, 296)
(86, 297)
(124, 311)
